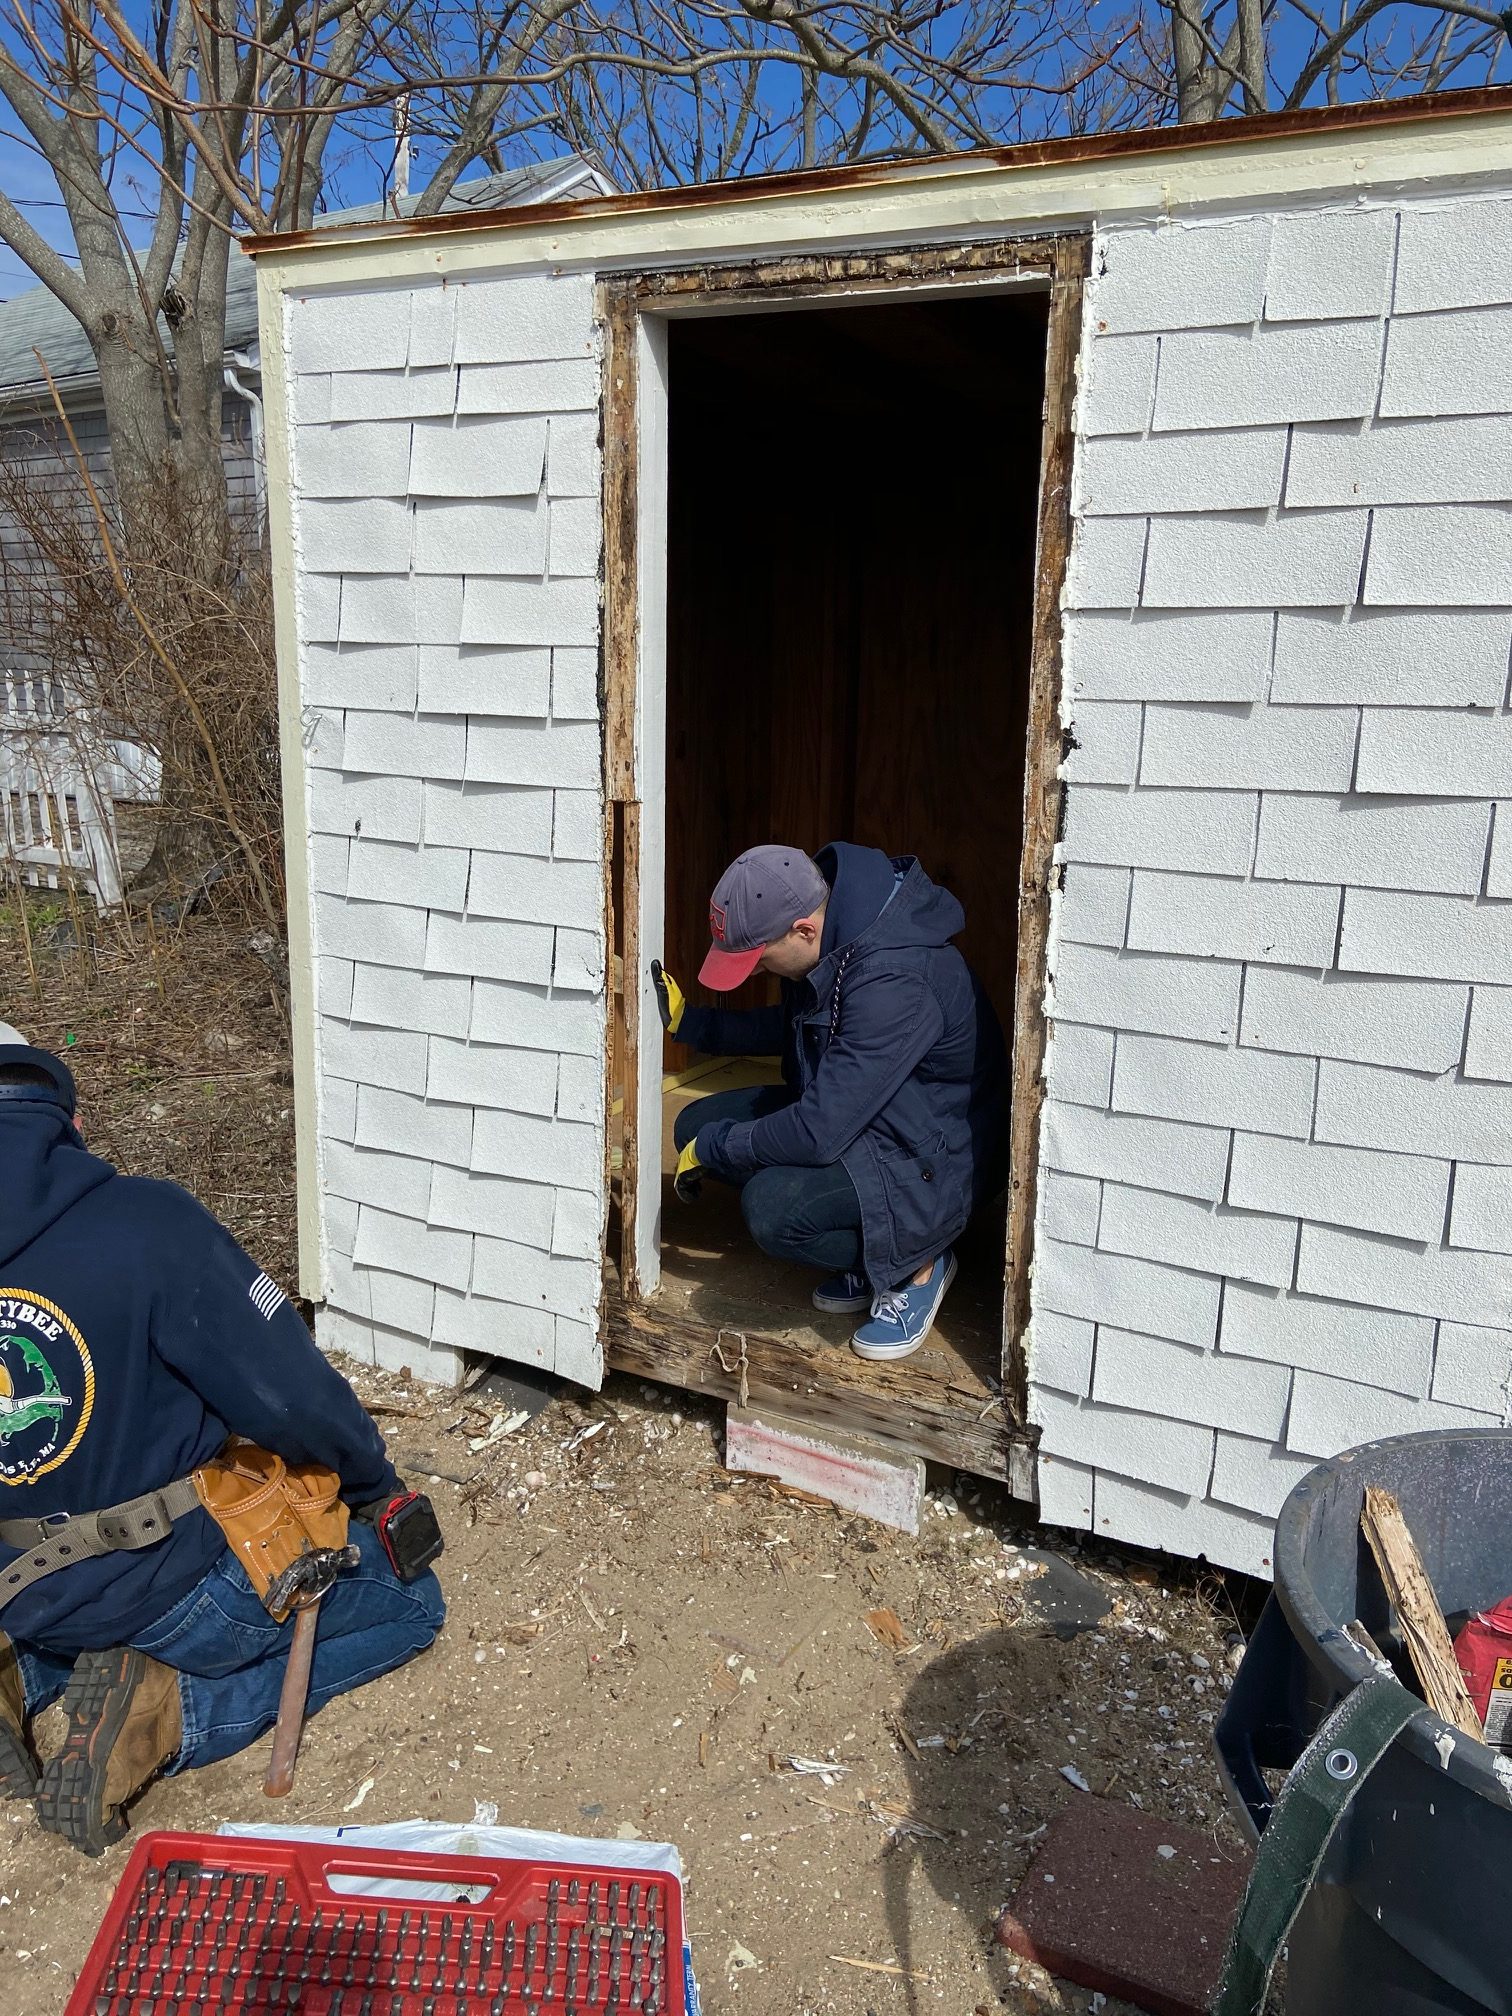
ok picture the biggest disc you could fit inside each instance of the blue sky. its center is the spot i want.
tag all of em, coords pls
(356, 170)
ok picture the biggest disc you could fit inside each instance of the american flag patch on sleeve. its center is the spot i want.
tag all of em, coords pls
(265, 1296)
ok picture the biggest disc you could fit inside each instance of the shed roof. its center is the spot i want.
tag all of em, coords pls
(37, 319)
(1144, 143)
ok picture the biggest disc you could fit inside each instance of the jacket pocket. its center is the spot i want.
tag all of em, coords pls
(920, 1194)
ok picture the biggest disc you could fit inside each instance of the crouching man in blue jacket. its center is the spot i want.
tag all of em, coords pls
(890, 1127)
(136, 1338)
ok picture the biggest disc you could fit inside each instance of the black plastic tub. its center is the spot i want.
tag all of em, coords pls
(1412, 1911)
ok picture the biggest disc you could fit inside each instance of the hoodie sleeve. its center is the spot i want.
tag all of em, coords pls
(733, 1032)
(889, 1023)
(234, 1337)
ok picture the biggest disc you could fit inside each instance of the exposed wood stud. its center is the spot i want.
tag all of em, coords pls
(1042, 802)
(618, 675)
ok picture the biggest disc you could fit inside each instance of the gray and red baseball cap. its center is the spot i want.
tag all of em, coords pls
(758, 899)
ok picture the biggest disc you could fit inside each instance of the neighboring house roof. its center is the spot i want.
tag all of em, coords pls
(37, 320)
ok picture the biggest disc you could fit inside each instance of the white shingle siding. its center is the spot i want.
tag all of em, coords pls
(1454, 255)
(555, 387)
(1339, 1339)
(445, 521)
(1374, 843)
(1132, 990)
(1401, 462)
(1294, 494)
(508, 818)
(1447, 937)
(1182, 472)
(1092, 904)
(1079, 1064)
(1402, 1195)
(1488, 1041)
(1391, 658)
(1328, 1415)
(1458, 363)
(1286, 924)
(1268, 377)
(1164, 656)
(1329, 266)
(1216, 1088)
(497, 459)
(1156, 1154)
(1482, 1209)
(1175, 829)
(453, 536)
(1189, 1524)
(1409, 1024)
(1106, 750)
(1473, 1368)
(1245, 1394)
(1060, 1352)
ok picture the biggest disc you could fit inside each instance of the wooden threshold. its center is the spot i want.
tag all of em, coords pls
(910, 1405)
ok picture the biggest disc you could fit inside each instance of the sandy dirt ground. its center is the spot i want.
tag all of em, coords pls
(637, 1639)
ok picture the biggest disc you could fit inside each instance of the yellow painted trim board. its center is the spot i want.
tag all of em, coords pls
(295, 784)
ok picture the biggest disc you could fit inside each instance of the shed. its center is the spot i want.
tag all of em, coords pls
(1122, 524)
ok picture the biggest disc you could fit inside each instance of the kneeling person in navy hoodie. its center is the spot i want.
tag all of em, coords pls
(890, 1126)
(136, 1339)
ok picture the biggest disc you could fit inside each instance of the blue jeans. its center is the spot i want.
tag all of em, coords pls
(809, 1215)
(230, 1654)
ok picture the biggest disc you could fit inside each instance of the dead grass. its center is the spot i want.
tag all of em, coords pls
(180, 1051)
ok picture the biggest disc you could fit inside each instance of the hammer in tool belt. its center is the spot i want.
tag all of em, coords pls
(299, 1588)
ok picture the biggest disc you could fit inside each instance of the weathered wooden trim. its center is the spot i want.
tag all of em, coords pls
(642, 1339)
(620, 656)
(823, 1385)
(814, 275)
(1042, 801)
(619, 673)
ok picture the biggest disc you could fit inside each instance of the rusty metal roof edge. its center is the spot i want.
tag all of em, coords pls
(1141, 141)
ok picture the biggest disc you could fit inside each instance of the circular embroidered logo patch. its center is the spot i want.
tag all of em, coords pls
(47, 1386)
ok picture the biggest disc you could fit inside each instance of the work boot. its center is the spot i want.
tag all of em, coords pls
(18, 1774)
(123, 1727)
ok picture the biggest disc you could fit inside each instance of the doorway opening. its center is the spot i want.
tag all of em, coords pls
(852, 509)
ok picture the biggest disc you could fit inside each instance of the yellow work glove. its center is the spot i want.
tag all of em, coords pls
(688, 1181)
(669, 997)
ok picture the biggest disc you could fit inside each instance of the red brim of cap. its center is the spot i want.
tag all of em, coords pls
(724, 970)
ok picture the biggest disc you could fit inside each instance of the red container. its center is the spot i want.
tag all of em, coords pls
(207, 1922)
(1484, 1651)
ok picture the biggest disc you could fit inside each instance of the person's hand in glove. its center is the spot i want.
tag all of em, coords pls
(688, 1181)
(669, 997)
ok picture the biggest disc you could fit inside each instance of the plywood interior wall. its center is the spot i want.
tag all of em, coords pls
(851, 553)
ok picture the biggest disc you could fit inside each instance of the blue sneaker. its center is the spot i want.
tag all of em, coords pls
(844, 1294)
(903, 1317)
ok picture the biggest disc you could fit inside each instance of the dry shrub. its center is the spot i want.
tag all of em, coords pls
(158, 636)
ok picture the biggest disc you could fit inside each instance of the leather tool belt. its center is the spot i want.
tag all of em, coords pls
(270, 1512)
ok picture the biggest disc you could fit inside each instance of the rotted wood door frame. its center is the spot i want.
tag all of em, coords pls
(625, 303)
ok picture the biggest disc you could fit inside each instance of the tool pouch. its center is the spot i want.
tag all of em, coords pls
(271, 1512)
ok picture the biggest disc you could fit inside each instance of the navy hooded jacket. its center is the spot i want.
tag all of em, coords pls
(896, 1059)
(135, 1338)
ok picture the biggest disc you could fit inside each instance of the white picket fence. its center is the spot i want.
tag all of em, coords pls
(59, 788)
